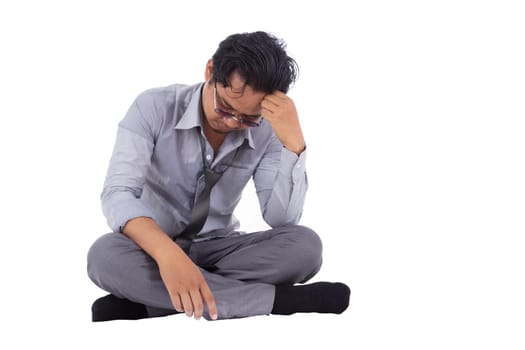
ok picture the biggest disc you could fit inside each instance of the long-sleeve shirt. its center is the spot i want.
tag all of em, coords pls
(157, 165)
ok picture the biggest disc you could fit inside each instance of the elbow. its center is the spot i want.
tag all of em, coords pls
(281, 219)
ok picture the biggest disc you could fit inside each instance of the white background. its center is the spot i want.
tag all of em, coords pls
(414, 117)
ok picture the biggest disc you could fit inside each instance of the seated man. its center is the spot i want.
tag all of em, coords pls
(182, 157)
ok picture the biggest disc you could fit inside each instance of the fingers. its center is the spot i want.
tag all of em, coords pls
(277, 102)
(268, 108)
(210, 301)
(197, 304)
(175, 300)
(276, 96)
(187, 304)
(269, 105)
(187, 288)
(192, 303)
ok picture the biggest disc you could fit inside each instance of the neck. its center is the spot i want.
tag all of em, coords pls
(214, 138)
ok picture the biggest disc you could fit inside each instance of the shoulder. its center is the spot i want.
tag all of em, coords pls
(164, 106)
(157, 109)
(167, 95)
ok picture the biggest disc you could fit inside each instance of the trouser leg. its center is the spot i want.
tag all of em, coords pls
(284, 255)
(119, 266)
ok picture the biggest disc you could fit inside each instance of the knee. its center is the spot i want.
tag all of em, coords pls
(99, 258)
(95, 257)
(309, 250)
(310, 242)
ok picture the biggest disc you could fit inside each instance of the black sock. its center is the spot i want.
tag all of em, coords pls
(322, 297)
(112, 308)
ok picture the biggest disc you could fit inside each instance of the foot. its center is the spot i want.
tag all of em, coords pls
(112, 308)
(322, 297)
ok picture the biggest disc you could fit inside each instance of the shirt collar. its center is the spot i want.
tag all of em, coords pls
(193, 115)
(238, 138)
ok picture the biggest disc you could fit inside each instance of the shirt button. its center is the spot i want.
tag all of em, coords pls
(208, 157)
(298, 166)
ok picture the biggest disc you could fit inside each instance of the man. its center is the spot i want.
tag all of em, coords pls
(182, 157)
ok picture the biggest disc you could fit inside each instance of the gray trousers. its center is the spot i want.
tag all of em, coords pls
(248, 268)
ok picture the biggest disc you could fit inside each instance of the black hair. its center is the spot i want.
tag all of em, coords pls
(259, 58)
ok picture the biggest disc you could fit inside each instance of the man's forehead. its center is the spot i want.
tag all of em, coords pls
(238, 86)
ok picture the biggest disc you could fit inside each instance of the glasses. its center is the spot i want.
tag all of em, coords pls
(251, 121)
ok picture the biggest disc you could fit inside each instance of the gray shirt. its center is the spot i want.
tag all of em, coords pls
(157, 165)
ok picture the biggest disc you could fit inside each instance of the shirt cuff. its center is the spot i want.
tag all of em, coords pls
(293, 165)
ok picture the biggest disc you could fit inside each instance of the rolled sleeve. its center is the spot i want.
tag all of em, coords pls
(120, 207)
(128, 167)
(281, 184)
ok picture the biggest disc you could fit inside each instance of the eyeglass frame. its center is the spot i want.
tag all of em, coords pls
(239, 117)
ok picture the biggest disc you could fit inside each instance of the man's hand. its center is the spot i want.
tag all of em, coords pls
(279, 110)
(186, 286)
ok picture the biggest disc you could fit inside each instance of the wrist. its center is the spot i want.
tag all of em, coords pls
(166, 251)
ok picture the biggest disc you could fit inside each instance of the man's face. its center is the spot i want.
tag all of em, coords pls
(234, 107)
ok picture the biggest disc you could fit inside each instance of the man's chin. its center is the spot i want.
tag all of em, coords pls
(222, 131)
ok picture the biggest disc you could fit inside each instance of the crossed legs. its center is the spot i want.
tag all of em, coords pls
(246, 270)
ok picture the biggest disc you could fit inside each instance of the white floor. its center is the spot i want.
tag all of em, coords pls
(414, 118)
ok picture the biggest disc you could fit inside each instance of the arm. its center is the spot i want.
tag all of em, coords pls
(129, 165)
(280, 177)
(126, 213)
(182, 278)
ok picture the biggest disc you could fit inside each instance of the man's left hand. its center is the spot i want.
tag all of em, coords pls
(279, 110)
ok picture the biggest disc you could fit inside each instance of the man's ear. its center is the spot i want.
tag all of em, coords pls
(208, 74)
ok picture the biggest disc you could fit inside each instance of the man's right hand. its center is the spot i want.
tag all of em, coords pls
(186, 286)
